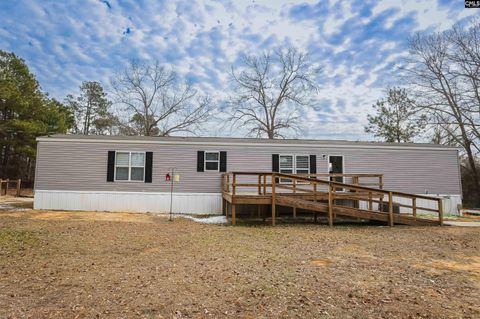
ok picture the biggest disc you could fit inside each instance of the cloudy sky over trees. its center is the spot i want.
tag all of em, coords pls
(358, 44)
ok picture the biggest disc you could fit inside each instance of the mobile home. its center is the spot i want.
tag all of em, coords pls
(126, 173)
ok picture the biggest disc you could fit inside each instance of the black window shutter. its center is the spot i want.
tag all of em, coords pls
(200, 161)
(275, 163)
(313, 164)
(148, 167)
(223, 161)
(111, 166)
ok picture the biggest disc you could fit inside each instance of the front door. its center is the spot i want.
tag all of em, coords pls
(335, 166)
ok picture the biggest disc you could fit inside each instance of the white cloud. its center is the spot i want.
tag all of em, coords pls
(65, 43)
(428, 13)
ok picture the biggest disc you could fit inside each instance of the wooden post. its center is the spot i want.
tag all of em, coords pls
(380, 205)
(390, 208)
(233, 206)
(228, 183)
(259, 184)
(273, 199)
(264, 184)
(294, 191)
(330, 206)
(414, 207)
(356, 203)
(370, 202)
(440, 211)
(334, 190)
(6, 187)
(234, 214)
(315, 200)
(19, 185)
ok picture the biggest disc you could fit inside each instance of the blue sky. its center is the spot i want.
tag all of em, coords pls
(358, 43)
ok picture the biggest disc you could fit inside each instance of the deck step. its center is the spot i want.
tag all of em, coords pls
(353, 212)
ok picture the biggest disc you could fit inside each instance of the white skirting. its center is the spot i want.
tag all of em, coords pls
(183, 203)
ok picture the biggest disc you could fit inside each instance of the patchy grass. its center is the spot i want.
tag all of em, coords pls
(28, 204)
(13, 240)
(123, 265)
(469, 267)
(93, 216)
(464, 218)
(15, 202)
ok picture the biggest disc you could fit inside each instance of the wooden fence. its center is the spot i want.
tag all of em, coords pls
(6, 185)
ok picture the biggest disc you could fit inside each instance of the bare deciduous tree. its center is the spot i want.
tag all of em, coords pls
(444, 71)
(466, 56)
(158, 103)
(271, 91)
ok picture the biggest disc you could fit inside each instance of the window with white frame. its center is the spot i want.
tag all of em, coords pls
(286, 164)
(130, 166)
(212, 161)
(302, 164)
(293, 164)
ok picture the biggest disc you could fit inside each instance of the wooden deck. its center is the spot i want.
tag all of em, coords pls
(319, 194)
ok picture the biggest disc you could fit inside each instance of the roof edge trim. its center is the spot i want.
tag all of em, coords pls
(242, 143)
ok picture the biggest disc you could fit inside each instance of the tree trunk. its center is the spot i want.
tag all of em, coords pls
(473, 168)
(148, 128)
(5, 160)
(86, 126)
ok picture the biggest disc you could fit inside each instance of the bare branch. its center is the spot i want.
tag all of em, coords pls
(271, 91)
(444, 72)
(157, 102)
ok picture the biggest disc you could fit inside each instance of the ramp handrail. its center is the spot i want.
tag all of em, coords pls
(373, 199)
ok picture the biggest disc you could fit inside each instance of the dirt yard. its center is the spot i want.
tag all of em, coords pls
(120, 265)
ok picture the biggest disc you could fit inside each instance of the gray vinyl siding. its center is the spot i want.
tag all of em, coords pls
(82, 166)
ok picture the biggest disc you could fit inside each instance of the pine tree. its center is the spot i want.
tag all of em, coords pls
(25, 113)
(91, 110)
(396, 119)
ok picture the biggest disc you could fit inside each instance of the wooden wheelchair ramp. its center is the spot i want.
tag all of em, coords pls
(352, 212)
(311, 192)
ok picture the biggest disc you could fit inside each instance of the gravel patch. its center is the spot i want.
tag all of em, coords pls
(208, 220)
